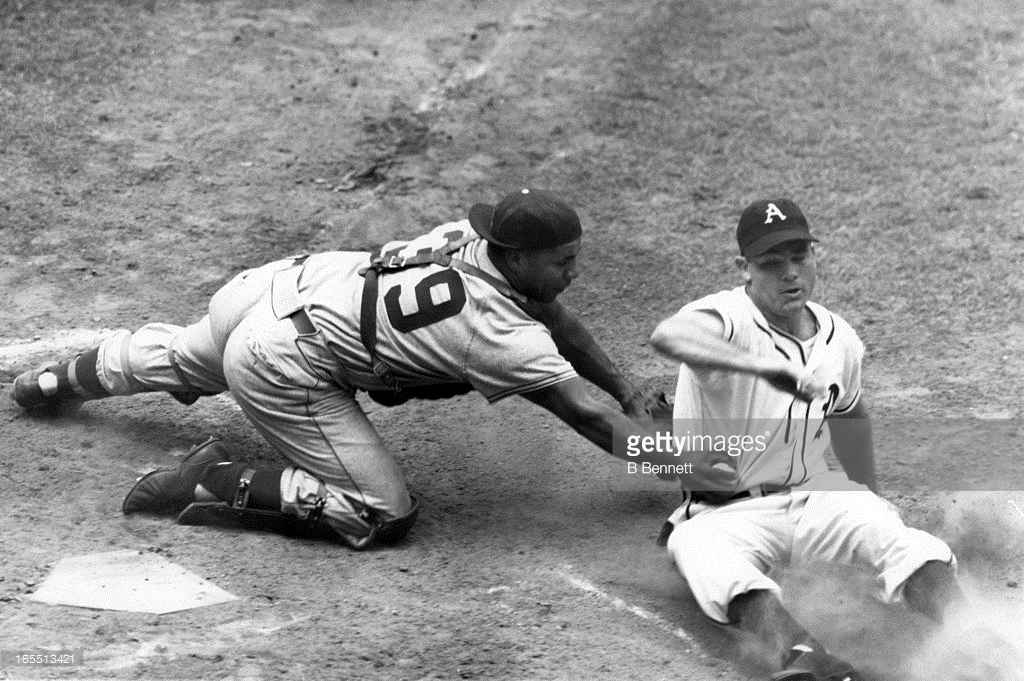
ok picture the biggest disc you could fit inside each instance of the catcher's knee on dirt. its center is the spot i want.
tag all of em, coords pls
(394, 530)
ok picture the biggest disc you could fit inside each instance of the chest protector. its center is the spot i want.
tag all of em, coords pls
(391, 261)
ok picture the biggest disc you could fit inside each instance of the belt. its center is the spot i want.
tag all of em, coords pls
(721, 498)
(712, 499)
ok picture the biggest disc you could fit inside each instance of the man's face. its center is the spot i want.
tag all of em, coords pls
(545, 273)
(782, 279)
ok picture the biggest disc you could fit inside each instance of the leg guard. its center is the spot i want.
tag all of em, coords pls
(239, 516)
(221, 514)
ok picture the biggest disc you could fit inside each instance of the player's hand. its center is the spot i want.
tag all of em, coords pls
(645, 404)
(711, 476)
(796, 381)
(706, 475)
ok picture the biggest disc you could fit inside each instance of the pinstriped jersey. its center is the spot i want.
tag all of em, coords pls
(435, 324)
(794, 433)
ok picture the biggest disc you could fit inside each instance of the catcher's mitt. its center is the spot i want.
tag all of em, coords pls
(647, 403)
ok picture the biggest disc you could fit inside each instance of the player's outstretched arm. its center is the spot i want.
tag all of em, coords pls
(570, 401)
(853, 444)
(575, 343)
(610, 430)
(696, 338)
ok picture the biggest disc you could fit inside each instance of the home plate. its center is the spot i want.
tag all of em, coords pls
(135, 581)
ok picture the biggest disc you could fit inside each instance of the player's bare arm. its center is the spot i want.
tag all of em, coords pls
(609, 429)
(696, 337)
(570, 401)
(853, 444)
(577, 345)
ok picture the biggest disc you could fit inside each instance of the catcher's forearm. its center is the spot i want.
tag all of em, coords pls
(576, 344)
(614, 429)
(602, 425)
(605, 428)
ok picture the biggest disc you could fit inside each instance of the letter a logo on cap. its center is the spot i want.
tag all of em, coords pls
(772, 212)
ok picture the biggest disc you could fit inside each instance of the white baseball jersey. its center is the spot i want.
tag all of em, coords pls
(435, 324)
(724, 550)
(791, 434)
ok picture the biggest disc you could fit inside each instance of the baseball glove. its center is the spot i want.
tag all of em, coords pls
(647, 403)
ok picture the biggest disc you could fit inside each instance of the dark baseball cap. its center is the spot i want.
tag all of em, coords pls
(768, 223)
(527, 219)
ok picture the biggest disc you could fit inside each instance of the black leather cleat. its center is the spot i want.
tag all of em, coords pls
(808, 664)
(30, 394)
(168, 492)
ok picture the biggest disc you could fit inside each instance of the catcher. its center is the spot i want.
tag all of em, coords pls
(472, 305)
(761, 360)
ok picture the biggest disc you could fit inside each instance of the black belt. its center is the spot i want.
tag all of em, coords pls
(712, 499)
(720, 498)
(717, 498)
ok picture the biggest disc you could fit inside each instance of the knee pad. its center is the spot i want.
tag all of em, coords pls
(392, 531)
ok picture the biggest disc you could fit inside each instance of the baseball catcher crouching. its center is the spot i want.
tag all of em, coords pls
(469, 306)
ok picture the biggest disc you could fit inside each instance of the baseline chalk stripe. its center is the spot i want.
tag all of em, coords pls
(619, 604)
(1012, 503)
(20, 354)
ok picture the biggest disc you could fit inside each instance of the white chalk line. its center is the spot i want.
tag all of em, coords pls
(620, 604)
(16, 352)
(1017, 508)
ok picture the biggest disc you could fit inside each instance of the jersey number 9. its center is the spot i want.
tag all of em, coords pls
(427, 311)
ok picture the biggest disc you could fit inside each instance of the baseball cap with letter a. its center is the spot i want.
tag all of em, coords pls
(527, 219)
(766, 224)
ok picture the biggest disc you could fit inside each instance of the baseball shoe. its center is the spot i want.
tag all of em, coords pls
(168, 492)
(808, 664)
(37, 390)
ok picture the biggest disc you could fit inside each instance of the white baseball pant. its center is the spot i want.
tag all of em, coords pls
(724, 551)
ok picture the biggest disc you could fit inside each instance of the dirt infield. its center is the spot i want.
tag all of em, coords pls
(150, 150)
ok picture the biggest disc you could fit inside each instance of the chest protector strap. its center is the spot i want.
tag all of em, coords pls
(394, 263)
